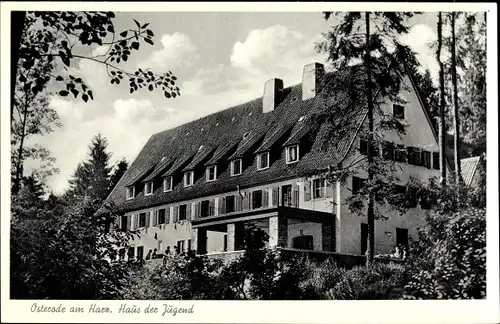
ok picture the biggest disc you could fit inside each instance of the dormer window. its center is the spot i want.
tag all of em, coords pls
(211, 173)
(236, 167)
(130, 192)
(292, 154)
(188, 178)
(168, 184)
(263, 161)
(148, 188)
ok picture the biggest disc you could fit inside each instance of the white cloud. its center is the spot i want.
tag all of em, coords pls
(419, 38)
(177, 51)
(140, 110)
(274, 52)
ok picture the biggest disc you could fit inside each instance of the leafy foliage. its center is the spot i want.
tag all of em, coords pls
(449, 260)
(180, 277)
(58, 37)
(380, 281)
(31, 116)
(65, 255)
(262, 274)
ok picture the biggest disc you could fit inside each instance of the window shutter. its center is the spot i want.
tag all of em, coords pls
(136, 219)
(155, 217)
(329, 189)
(119, 222)
(250, 199)
(222, 206)
(167, 215)
(246, 203)
(176, 214)
(307, 190)
(211, 207)
(219, 205)
(129, 222)
(426, 159)
(197, 210)
(275, 197)
(295, 196)
(265, 198)
(188, 211)
(238, 202)
(435, 160)
(148, 219)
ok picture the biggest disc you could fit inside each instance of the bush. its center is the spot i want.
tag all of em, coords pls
(379, 281)
(449, 262)
(181, 277)
(63, 256)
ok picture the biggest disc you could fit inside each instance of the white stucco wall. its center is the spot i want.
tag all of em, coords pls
(418, 134)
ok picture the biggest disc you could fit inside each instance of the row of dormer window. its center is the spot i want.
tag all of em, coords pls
(236, 168)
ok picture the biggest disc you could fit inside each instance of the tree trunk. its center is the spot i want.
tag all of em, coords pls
(16, 186)
(371, 213)
(17, 25)
(442, 125)
(456, 118)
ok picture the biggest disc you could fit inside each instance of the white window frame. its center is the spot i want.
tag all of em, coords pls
(146, 185)
(169, 179)
(288, 148)
(233, 162)
(207, 175)
(191, 173)
(259, 157)
(128, 196)
(323, 195)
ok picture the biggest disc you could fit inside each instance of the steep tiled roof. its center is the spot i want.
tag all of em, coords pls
(272, 136)
(221, 152)
(300, 129)
(217, 132)
(179, 163)
(160, 167)
(203, 152)
(240, 129)
(469, 167)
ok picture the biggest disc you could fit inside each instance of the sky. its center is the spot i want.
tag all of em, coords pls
(220, 59)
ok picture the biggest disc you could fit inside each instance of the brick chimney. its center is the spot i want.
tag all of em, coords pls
(272, 94)
(311, 78)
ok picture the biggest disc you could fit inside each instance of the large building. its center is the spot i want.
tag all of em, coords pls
(198, 185)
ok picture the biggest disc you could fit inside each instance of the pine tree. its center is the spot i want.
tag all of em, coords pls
(120, 169)
(471, 49)
(92, 177)
(371, 38)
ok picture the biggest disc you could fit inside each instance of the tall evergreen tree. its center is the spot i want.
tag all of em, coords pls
(120, 169)
(371, 38)
(471, 62)
(92, 177)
